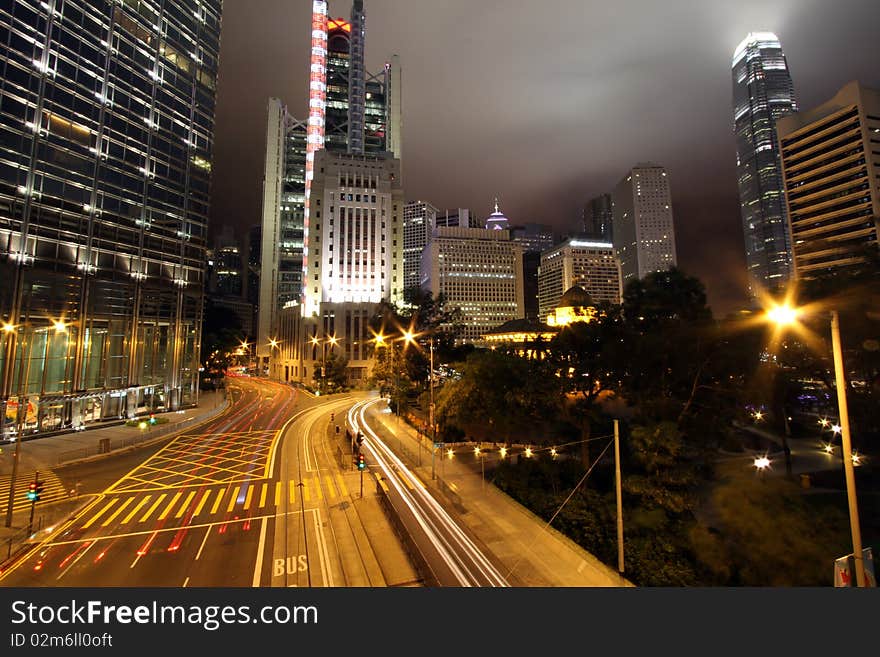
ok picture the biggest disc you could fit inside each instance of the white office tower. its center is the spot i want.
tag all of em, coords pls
(644, 235)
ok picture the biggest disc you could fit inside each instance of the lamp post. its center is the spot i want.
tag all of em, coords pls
(785, 315)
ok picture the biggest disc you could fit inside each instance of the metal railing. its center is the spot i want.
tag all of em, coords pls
(109, 445)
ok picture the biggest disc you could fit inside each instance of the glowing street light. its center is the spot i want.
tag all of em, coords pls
(783, 315)
(528, 452)
(762, 463)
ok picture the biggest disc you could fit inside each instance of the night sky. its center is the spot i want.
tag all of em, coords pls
(547, 103)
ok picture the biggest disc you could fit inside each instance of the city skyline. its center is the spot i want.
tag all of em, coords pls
(577, 155)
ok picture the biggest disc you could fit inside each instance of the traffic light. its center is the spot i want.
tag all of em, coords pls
(362, 464)
(39, 490)
(152, 419)
(34, 490)
(332, 416)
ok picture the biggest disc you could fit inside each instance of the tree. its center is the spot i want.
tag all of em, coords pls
(335, 373)
(586, 359)
(500, 398)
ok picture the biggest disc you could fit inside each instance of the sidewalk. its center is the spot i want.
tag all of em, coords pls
(531, 553)
(45, 454)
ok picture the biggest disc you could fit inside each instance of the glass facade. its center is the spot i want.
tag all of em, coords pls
(762, 93)
(106, 140)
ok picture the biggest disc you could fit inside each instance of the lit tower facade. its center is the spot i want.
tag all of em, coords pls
(762, 93)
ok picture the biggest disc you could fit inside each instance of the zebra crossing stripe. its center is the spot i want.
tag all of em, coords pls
(153, 508)
(201, 503)
(95, 517)
(185, 505)
(137, 508)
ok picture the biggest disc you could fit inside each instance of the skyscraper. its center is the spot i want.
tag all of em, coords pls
(350, 111)
(419, 219)
(644, 234)
(762, 93)
(107, 137)
(598, 218)
(832, 179)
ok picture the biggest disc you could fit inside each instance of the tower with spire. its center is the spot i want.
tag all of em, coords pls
(497, 220)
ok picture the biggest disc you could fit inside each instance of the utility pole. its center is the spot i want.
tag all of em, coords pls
(619, 498)
(846, 450)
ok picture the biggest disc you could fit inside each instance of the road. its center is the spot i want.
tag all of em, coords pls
(452, 556)
(201, 510)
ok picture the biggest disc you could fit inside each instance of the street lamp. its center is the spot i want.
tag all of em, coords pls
(786, 315)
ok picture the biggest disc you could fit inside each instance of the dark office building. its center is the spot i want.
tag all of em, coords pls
(106, 140)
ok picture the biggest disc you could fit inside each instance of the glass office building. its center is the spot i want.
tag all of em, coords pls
(762, 93)
(106, 139)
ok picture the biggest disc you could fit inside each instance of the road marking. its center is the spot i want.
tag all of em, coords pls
(292, 487)
(322, 544)
(232, 501)
(168, 508)
(219, 499)
(153, 508)
(263, 495)
(185, 505)
(137, 508)
(202, 503)
(342, 485)
(250, 494)
(277, 493)
(305, 492)
(417, 480)
(330, 487)
(259, 565)
(204, 540)
(100, 513)
(185, 582)
(119, 510)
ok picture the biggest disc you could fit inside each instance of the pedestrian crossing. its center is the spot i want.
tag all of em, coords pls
(53, 490)
(212, 503)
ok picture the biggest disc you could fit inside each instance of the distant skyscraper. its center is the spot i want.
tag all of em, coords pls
(419, 220)
(534, 238)
(107, 127)
(762, 93)
(832, 179)
(598, 218)
(644, 235)
(456, 218)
